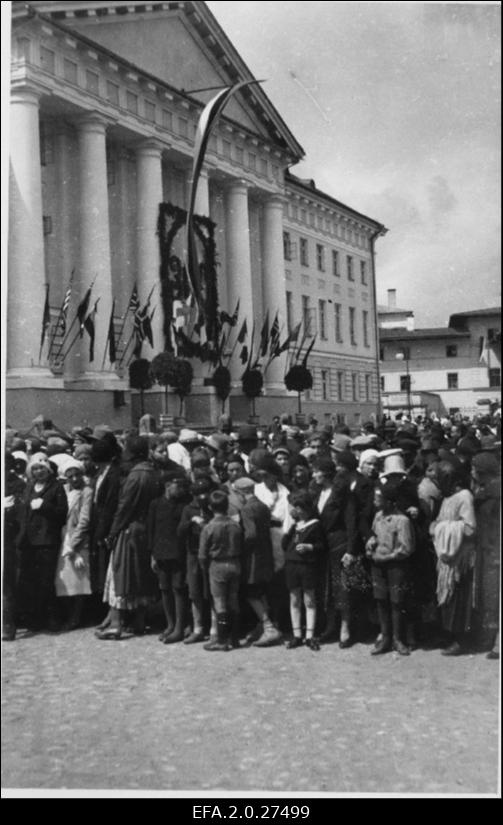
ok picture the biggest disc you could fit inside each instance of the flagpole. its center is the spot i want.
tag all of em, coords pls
(60, 316)
(67, 335)
(44, 329)
(275, 354)
(68, 351)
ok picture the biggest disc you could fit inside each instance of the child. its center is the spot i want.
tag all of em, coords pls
(168, 560)
(303, 544)
(220, 552)
(194, 517)
(389, 550)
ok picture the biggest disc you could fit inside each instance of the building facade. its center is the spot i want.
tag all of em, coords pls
(105, 103)
(444, 370)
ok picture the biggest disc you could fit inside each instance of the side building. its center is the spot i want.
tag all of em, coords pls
(105, 101)
(447, 370)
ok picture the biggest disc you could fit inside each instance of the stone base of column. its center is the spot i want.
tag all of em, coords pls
(32, 377)
(97, 382)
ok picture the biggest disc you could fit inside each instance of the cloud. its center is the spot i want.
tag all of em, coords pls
(442, 199)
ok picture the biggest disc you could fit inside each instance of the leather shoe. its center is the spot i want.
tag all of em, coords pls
(173, 639)
(400, 648)
(111, 635)
(313, 644)
(453, 650)
(293, 643)
(383, 646)
(345, 643)
(194, 638)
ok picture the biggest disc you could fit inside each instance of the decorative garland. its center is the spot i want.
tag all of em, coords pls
(174, 281)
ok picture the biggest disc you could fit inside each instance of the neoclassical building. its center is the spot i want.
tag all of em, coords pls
(105, 100)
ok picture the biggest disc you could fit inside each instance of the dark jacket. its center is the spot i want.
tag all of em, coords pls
(163, 521)
(42, 528)
(257, 546)
(313, 534)
(221, 540)
(105, 505)
(189, 532)
(339, 513)
(363, 491)
(140, 488)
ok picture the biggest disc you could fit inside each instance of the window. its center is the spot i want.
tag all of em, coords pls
(338, 323)
(289, 311)
(167, 120)
(113, 93)
(23, 48)
(451, 351)
(320, 257)
(240, 156)
(304, 252)
(335, 264)
(93, 83)
(452, 380)
(287, 246)
(405, 383)
(368, 387)
(47, 222)
(323, 319)
(48, 60)
(354, 385)
(340, 386)
(149, 111)
(252, 161)
(132, 103)
(365, 317)
(308, 317)
(183, 127)
(352, 325)
(351, 274)
(381, 353)
(383, 383)
(70, 69)
(325, 385)
(363, 271)
(495, 377)
(263, 168)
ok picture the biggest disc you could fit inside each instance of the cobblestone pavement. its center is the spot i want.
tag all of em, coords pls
(83, 714)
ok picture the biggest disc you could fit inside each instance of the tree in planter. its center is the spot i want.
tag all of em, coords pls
(299, 379)
(253, 384)
(222, 384)
(140, 378)
(177, 373)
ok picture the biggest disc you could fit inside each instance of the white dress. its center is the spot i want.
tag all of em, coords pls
(277, 502)
(69, 580)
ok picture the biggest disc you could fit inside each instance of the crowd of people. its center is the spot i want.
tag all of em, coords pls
(258, 536)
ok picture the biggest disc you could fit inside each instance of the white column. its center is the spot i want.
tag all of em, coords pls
(26, 277)
(95, 261)
(238, 259)
(150, 195)
(125, 250)
(273, 284)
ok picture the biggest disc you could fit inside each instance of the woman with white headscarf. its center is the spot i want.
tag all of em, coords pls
(72, 575)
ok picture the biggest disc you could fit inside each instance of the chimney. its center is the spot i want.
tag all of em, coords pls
(391, 298)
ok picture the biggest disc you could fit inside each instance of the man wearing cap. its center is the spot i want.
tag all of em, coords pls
(247, 439)
(258, 563)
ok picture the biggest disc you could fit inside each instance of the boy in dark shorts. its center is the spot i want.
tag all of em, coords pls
(167, 551)
(303, 545)
(220, 552)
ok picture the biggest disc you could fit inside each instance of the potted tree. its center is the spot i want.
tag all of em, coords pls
(170, 371)
(299, 379)
(140, 378)
(253, 384)
(222, 382)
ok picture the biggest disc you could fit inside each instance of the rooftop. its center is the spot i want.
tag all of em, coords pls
(421, 334)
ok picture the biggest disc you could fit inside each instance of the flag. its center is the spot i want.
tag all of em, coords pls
(112, 349)
(483, 348)
(291, 339)
(232, 320)
(134, 301)
(244, 355)
(147, 329)
(243, 334)
(65, 306)
(308, 353)
(83, 309)
(206, 123)
(90, 327)
(274, 337)
(46, 320)
(264, 336)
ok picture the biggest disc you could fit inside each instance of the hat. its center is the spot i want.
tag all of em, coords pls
(83, 451)
(408, 445)
(71, 464)
(340, 443)
(363, 442)
(281, 451)
(247, 432)
(57, 446)
(308, 452)
(217, 441)
(393, 462)
(267, 464)
(486, 463)
(19, 455)
(18, 444)
(346, 459)
(39, 460)
(366, 456)
(188, 437)
(245, 484)
(101, 452)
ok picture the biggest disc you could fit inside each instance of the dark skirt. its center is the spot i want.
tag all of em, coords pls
(343, 584)
(457, 613)
(132, 573)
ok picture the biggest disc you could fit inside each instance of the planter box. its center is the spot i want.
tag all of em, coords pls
(166, 422)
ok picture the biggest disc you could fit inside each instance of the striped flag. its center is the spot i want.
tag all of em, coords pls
(112, 348)
(134, 301)
(206, 123)
(90, 327)
(274, 337)
(264, 336)
(65, 306)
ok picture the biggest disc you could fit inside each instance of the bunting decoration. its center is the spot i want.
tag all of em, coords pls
(89, 325)
(83, 309)
(112, 347)
(206, 123)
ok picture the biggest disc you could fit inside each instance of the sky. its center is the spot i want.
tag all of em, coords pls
(397, 106)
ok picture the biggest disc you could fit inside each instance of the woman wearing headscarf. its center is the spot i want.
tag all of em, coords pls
(73, 575)
(130, 584)
(44, 513)
(486, 488)
(453, 534)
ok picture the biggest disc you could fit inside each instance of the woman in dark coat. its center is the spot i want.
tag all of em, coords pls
(43, 515)
(14, 490)
(486, 488)
(130, 583)
(105, 501)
